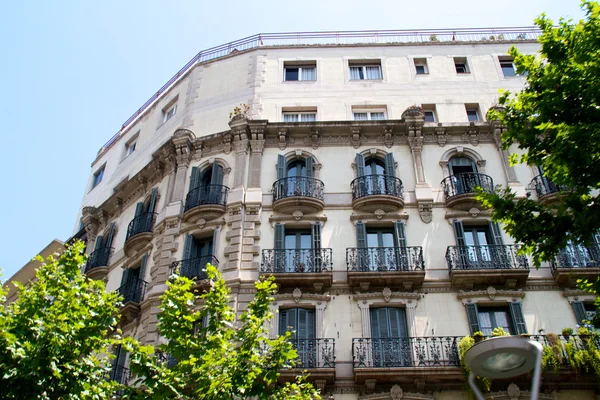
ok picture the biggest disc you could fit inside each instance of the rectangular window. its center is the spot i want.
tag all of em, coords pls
(507, 65)
(304, 71)
(461, 66)
(421, 66)
(98, 175)
(300, 114)
(130, 147)
(369, 114)
(472, 112)
(169, 112)
(361, 70)
(495, 317)
(429, 110)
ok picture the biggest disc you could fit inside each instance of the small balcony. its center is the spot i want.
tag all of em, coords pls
(120, 374)
(460, 189)
(133, 293)
(195, 269)
(207, 202)
(576, 262)
(434, 360)
(96, 266)
(139, 233)
(377, 192)
(486, 265)
(299, 267)
(317, 356)
(402, 267)
(298, 193)
(546, 190)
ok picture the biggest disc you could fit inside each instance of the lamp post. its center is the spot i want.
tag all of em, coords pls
(504, 357)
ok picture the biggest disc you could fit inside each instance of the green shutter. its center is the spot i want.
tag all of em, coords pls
(188, 245)
(283, 321)
(152, 205)
(459, 233)
(142, 272)
(390, 169)
(402, 260)
(213, 245)
(99, 243)
(516, 311)
(473, 317)
(316, 236)
(305, 326)
(194, 178)
(125, 276)
(279, 236)
(280, 166)
(399, 234)
(579, 309)
(496, 233)
(379, 323)
(216, 177)
(361, 235)
(309, 167)
(397, 322)
(139, 209)
(360, 165)
(110, 237)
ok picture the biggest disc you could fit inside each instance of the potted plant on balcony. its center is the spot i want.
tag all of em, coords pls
(567, 332)
(499, 332)
(478, 336)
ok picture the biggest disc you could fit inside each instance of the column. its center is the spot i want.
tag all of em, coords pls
(183, 162)
(416, 147)
(366, 318)
(257, 147)
(241, 152)
(411, 315)
(171, 163)
(319, 309)
(509, 171)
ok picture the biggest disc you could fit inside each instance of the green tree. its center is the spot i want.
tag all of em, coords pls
(54, 339)
(555, 122)
(221, 359)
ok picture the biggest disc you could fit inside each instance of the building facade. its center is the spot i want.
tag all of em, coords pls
(348, 172)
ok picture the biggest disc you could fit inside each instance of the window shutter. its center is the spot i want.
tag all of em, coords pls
(279, 236)
(459, 233)
(111, 235)
(283, 321)
(120, 356)
(380, 327)
(397, 324)
(214, 242)
(142, 273)
(516, 311)
(139, 209)
(309, 167)
(360, 165)
(399, 234)
(496, 232)
(188, 247)
(390, 169)
(280, 166)
(125, 276)
(473, 317)
(316, 236)
(194, 178)
(579, 309)
(217, 174)
(375, 326)
(361, 235)
(306, 324)
(99, 243)
(153, 200)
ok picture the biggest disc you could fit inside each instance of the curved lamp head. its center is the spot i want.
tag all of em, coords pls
(503, 357)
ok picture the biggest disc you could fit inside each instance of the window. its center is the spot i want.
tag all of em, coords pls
(461, 66)
(389, 337)
(507, 65)
(297, 250)
(360, 70)
(486, 318)
(97, 178)
(130, 146)
(305, 71)
(376, 176)
(169, 111)
(429, 111)
(197, 252)
(118, 371)
(301, 322)
(381, 248)
(421, 66)
(206, 187)
(133, 286)
(586, 313)
(368, 114)
(472, 112)
(290, 116)
(479, 246)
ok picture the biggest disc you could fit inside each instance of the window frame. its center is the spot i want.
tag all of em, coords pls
(506, 60)
(465, 62)
(421, 62)
(299, 115)
(473, 108)
(369, 113)
(492, 310)
(429, 108)
(99, 173)
(299, 66)
(364, 65)
(131, 144)
(167, 115)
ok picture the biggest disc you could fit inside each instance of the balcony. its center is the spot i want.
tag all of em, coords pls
(377, 192)
(317, 356)
(299, 267)
(434, 360)
(96, 266)
(195, 269)
(298, 194)
(486, 265)
(120, 374)
(133, 293)
(546, 190)
(139, 233)
(207, 202)
(576, 262)
(460, 189)
(386, 267)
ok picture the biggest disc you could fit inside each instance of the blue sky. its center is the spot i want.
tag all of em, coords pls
(74, 71)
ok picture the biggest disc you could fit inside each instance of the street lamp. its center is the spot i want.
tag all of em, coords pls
(504, 357)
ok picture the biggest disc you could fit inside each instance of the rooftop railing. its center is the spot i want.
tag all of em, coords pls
(333, 38)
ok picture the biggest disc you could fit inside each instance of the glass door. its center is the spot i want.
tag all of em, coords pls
(297, 251)
(296, 182)
(381, 254)
(477, 240)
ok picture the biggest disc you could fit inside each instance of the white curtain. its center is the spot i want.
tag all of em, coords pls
(360, 116)
(290, 117)
(377, 116)
(356, 73)
(373, 72)
(309, 74)
(308, 117)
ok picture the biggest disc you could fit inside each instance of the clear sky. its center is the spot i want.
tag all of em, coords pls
(73, 71)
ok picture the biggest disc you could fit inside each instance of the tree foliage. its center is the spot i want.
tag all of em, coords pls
(555, 122)
(54, 339)
(218, 359)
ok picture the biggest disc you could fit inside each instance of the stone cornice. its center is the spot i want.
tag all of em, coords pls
(491, 293)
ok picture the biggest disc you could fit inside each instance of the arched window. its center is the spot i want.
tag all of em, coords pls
(295, 176)
(377, 175)
(206, 187)
(461, 165)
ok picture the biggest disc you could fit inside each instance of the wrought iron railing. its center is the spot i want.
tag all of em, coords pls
(466, 183)
(193, 268)
(120, 374)
(298, 186)
(133, 291)
(140, 224)
(435, 351)
(314, 353)
(577, 256)
(98, 258)
(166, 358)
(544, 186)
(207, 194)
(370, 185)
(380, 259)
(490, 256)
(296, 260)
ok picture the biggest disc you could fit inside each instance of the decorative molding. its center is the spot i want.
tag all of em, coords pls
(297, 216)
(395, 393)
(283, 138)
(388, 138)
(377, 215)
(513, 392)
(201, 225)
(355, 136)
(441, 136)
(491, 293)
(296, 297)
(426, 211)
(573, 295)
(472, 213)
(386, 295)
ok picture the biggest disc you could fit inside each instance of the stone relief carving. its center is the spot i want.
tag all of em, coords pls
(426, 211)
(355, 138)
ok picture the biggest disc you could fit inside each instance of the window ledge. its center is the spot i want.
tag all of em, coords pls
(296, 82)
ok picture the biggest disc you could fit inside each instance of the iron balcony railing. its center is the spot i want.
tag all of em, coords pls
(140, 224)
(557, 344)
(577, 256)
(314, 353)
(193, 268)
(435, 351)
(133, 291)
(120, 374)
(98, 258)
(370, 185)
(298, 186)
(166, 358)
(207, 194)
(466, 183)
(375, 259)
(544, 186)
(489, 256)
(296, 260)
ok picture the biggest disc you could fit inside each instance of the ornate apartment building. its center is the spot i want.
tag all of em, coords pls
(350, 177)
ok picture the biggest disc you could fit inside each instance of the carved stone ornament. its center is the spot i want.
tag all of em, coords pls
(513, 392)
(297, 293)
(491, 291)
(297, 215)
(387, 293)
(227, 147)
(201, 223)
(413, 112)
(396, 392)
(474, 212)
(282, 138)
(355, 138)
(315, 138)
(388, 139)
(379, 213)
(442, 138)
(426, 211)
